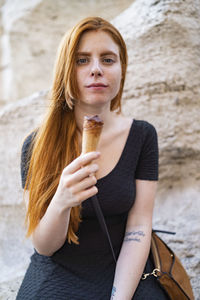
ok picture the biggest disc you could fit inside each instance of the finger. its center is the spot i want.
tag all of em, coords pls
(80, 161)
(81, 174)
(84, 195)
(83, 185)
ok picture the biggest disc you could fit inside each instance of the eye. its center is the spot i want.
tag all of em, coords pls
(108, 61)
(81, 61)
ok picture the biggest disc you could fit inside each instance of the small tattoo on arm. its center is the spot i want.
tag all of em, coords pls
(134, 236)
(113, 293)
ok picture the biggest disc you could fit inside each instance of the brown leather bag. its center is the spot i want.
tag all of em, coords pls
(169, 271)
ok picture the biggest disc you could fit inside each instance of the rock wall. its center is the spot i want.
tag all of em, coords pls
(162, 87)
(16, 122)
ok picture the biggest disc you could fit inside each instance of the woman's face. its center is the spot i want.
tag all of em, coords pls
(98, 68)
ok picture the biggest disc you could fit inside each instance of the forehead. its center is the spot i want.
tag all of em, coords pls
(97, 41)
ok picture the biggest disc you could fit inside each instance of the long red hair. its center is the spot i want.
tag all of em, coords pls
(57, 136)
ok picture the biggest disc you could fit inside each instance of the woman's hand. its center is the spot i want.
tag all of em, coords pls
(77, 181)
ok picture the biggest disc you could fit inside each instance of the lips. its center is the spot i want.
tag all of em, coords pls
(99, 84)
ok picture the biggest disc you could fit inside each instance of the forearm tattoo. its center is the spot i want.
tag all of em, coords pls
(113, 293)
(134, 236)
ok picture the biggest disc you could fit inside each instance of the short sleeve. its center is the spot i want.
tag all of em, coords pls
(25, 157)
(147, 166)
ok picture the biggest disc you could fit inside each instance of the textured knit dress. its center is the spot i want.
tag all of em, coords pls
(86, 271)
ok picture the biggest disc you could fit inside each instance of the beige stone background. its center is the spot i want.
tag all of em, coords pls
(162, 87)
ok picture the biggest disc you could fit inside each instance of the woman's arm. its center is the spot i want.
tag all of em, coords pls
(136, 244)
(77, 183)
(51, 232)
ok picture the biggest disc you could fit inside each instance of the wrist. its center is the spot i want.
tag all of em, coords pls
(58, 206)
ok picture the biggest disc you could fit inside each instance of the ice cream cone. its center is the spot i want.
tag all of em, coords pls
(92, 128)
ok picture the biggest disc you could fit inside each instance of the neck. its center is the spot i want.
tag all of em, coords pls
(104, 114)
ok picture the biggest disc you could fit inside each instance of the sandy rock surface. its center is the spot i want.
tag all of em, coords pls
(16, 122)
(163, 88)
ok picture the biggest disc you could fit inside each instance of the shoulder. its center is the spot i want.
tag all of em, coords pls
(144, 125)
(26, 155)
(144, 128)
(28, 139)
(28, 142)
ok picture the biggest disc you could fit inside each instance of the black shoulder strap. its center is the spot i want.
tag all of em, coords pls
(102, 222)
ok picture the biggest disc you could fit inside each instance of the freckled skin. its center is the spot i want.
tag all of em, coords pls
(97, 61)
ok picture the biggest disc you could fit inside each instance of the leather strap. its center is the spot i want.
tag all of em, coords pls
(102, 223)
(164, 231)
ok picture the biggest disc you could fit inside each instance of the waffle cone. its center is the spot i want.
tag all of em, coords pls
(92, 128)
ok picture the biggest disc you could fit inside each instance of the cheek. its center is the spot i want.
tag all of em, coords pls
(80, 83)
(78, 78)
(81, 75)
(117, 79)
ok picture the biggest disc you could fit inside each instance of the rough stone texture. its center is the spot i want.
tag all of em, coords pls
(162, 87)
(31, 31)
(16, 122)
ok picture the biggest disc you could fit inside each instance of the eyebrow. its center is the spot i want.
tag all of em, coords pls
(102, 54)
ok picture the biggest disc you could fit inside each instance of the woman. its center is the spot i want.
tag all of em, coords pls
(72, 258)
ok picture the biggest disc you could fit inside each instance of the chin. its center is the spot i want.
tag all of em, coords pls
(99, 101)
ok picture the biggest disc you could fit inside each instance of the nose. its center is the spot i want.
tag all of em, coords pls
(96, 69)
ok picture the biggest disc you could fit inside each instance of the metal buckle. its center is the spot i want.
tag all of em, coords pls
(154, 273)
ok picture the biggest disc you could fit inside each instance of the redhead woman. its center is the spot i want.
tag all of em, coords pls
(72, 259)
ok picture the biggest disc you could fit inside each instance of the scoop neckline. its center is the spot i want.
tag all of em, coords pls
(121, 156)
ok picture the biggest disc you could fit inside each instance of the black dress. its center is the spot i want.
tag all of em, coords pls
(86, 271)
